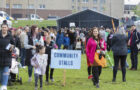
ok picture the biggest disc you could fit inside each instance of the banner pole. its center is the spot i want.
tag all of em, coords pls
(64, 78)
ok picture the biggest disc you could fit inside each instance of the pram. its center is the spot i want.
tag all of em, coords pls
(14, 70)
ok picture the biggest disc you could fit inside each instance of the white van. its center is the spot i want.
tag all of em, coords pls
(35, 17)
(5, 15)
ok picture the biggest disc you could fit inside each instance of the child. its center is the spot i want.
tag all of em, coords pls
(78, 44)
(66, 41)
(49, 45)
(39, 62)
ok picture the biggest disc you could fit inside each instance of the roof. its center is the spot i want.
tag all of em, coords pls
(85, 11)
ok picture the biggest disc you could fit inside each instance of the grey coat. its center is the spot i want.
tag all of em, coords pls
(119, 44)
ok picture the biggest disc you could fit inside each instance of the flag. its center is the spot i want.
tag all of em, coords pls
(113, 26)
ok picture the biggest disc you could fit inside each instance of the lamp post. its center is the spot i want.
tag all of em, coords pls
(110, 8)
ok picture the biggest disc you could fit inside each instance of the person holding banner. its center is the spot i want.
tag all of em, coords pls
(95, 50)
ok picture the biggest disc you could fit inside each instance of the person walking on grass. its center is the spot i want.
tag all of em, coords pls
(89, 68)
(119, 48)
(6, 47)
(95, 48)
(31, 42)
(23, 50)
(39, 62)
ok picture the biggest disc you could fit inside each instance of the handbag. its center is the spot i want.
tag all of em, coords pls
(138, 44)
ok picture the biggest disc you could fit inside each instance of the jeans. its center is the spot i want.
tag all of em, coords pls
(23, 56)
(123, 65)
(134, 59)
(30, 70)
(37, 76)
(4, 75)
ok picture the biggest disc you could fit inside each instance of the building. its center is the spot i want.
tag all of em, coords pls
(45, 8)
(114, 8)
(129, 10)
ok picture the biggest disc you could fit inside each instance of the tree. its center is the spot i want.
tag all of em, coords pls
(137, 10)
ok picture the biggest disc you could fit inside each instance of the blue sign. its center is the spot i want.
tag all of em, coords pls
(66, 59)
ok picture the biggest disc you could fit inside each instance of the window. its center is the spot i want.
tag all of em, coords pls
(72, 7)
(78, 8)
(94, 8)
(102, 9)
(128, 12)
(42, 6)
(7, 6)
(31, 6)
(102, 1)
(1, 14)
(95, 1)
(84, 8)
(78, 0)
(18, 6)
(85, 1)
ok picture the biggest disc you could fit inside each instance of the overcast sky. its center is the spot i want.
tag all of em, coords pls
(134, 2)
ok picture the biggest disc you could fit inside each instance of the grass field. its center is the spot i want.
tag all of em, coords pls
(22, 23)
(77, 80)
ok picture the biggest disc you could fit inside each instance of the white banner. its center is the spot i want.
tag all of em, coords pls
(66, 59)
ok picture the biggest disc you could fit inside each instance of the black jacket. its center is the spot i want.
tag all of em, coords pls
(119, 44)
(17, 42)
(49, 48)
(133, 45)
(5, 55)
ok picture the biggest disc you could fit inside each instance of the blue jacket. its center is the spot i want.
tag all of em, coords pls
(59, 39)
(135, 40)
(66, 41)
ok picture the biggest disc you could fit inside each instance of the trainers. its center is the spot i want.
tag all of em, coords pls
(97, 86)
(90, 77)
(24, 67)
(47, 82)
(41, 88)
(52, 80)
(3, 88)
(30, 79)
(36, 88)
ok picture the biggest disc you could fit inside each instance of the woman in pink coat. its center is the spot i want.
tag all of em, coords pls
(95, 49)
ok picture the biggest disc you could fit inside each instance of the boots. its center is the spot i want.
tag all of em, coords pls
(113, 80)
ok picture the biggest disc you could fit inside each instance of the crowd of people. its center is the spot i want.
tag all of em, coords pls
(35, 45)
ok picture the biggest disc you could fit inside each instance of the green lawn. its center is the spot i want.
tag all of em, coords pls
(77, 80)
(23, 23)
